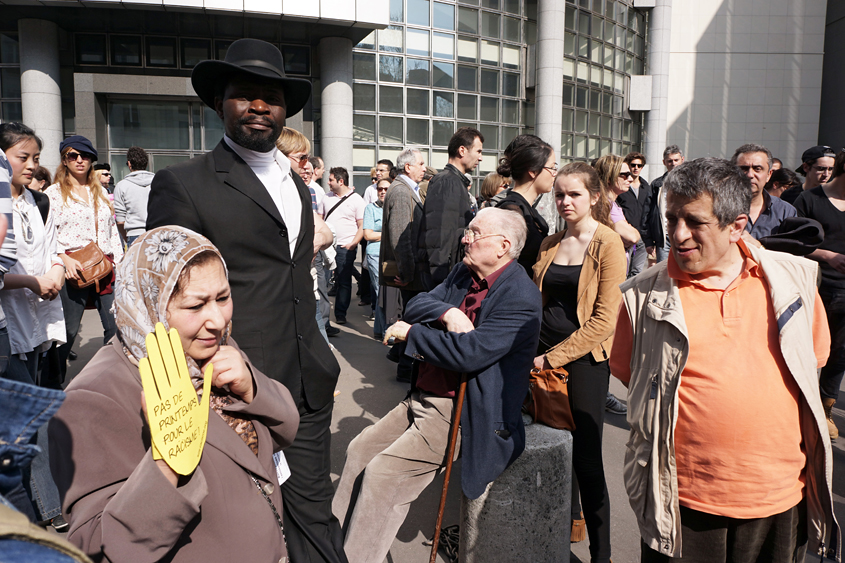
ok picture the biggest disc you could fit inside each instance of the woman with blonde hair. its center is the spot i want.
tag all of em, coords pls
(82, 214)
(578, 272)
(295, 146)
(616, 179)
(493, 184)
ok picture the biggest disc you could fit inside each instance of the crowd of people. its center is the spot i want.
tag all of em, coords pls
(715, 293)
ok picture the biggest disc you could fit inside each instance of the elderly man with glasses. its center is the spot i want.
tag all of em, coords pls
(482, 323)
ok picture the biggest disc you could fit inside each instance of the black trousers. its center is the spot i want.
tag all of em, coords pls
(588, 384)
(312, 532)
(832, 372)
(707, 538)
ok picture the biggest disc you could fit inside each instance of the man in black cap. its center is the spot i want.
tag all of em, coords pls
(243, 197)
(816, 167)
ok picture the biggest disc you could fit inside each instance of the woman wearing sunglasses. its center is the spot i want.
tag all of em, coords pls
(33, 313)
(616, 179)
(79, 202)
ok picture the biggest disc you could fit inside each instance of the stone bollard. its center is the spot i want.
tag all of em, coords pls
(524, 515)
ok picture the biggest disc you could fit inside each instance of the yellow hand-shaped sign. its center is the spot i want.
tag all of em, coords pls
(178, 422)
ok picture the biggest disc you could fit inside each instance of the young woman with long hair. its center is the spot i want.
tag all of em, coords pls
(79, 202)
(578, 272)
(33, 313)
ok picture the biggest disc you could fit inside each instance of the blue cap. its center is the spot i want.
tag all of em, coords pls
(80, 143)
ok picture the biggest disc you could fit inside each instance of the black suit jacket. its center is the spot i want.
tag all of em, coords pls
(218, 196)
(446, 214)
(636, 207)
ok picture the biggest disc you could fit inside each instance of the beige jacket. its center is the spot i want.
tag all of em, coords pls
(658, 356)
(120, 506)
(598, 295)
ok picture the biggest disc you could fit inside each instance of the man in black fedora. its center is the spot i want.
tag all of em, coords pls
(243, 197)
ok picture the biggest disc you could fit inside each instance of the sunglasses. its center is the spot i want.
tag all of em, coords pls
(382, 189)
(635, 165)
(627, 175)
(73, 156)
(302, 159)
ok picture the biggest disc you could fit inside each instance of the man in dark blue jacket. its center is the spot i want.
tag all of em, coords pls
(491, 312)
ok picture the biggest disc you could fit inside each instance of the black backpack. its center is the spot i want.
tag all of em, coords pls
(42, 202)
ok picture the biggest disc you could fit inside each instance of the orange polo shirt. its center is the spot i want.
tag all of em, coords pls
(738, 445)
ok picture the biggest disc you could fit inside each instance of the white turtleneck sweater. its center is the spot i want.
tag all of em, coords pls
(273, 170)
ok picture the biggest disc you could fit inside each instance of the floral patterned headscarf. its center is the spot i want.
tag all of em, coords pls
(146, 278)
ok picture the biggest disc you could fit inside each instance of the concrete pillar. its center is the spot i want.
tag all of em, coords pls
(551, 18)
(660, 37)
(41, 97)
(336, 102)
(524, 515)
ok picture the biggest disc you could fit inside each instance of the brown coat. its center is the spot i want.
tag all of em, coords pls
(119, 504)
(599, 296)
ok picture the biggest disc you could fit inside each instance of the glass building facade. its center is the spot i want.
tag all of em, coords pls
(441, 65)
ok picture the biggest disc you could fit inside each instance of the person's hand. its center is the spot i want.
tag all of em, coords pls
(72, 267)
(398, 281)
(540, 362)
(323, 237)
(44, 287)
(350, 246)
(171, 476)
(456, 321)
(837, 261)
(57, 275)
(231, 370)
(398, 331)
(178, 422)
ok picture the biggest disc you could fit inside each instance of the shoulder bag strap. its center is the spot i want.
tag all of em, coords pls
(339, 203)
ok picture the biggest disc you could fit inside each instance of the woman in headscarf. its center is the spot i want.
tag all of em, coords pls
(122, 504)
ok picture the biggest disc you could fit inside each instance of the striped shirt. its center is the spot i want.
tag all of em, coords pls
(8, 251)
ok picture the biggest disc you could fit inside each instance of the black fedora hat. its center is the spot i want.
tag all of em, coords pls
(251, 57)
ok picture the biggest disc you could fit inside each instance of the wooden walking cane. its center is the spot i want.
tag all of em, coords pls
(450, 455)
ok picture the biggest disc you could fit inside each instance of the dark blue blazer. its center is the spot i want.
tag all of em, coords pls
(497, 357)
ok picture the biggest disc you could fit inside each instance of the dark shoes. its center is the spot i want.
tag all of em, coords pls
(332, 331)
(71, 355)
(340, 320)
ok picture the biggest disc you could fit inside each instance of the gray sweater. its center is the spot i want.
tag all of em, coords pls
(130, 201)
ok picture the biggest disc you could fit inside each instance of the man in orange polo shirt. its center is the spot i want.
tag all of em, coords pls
(729, 457)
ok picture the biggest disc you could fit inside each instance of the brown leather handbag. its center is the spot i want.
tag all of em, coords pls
(548, 398)
(96, 267)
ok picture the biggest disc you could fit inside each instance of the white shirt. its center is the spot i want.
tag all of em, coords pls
(413, 185)
(371, 194)
(273, 170)
(74, 222)
(33, 321)
(344, 221)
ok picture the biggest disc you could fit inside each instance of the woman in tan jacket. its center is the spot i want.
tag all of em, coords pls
(122, 505)
(578, 272)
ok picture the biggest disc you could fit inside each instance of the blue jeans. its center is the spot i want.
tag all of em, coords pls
(343, 274)
(321, 324)
(373, 267)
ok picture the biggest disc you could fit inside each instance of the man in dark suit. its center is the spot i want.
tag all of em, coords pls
(635, 204)
(243, 197)
(484, 321)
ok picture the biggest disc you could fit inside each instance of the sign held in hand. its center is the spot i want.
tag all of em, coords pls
(178, 422)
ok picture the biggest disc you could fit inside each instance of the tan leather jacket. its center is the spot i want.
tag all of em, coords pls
(658, 356)
(598, 295)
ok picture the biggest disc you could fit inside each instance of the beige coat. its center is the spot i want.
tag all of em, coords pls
(120, 506)
(598, 295)
(659, 354)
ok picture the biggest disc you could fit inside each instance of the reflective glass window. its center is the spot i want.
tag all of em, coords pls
(584, 23)
(489, 109)
(489, 81)
(390, 130)
(161, 52)
(444, 104)
(418, 42)
(569, 44)
(212, 128)
(369, 42)
(583, 46)
(444, 74)
(583, 72)
(126, 50)
(511, 6)
(490, 23)
(566, 144)
(444, 16)
(10, 78)
(152, 125)
(467, 49)
(9, 50)
(418, 72)
(489, 52)
(194, 51)
(390, 99)
(467, 78)
(297, 59)
(467, 106)
(569, 21)
(510, 84)
(581, 98)
(569, 69)
(597, 27)
(364, 128)
(390, 39)
(492, 4)
(467, 20)
(511, 29)
(444, 45)
(364, 97)
(363, 66)
(566, 119)
(418, 12)
(511, 56)
(581, 119)
(416, 102)
(362, 159)
(595, 76)
(508, 135)
(390, 68)
(397, 10)
(491, 136)
(597, 53)
(579, 146)
(510, 111)
(568, 95)
(417, 131)
(90, 49)
(441, 132)
(595, 122)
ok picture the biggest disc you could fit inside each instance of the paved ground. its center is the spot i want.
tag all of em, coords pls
(368, 390)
